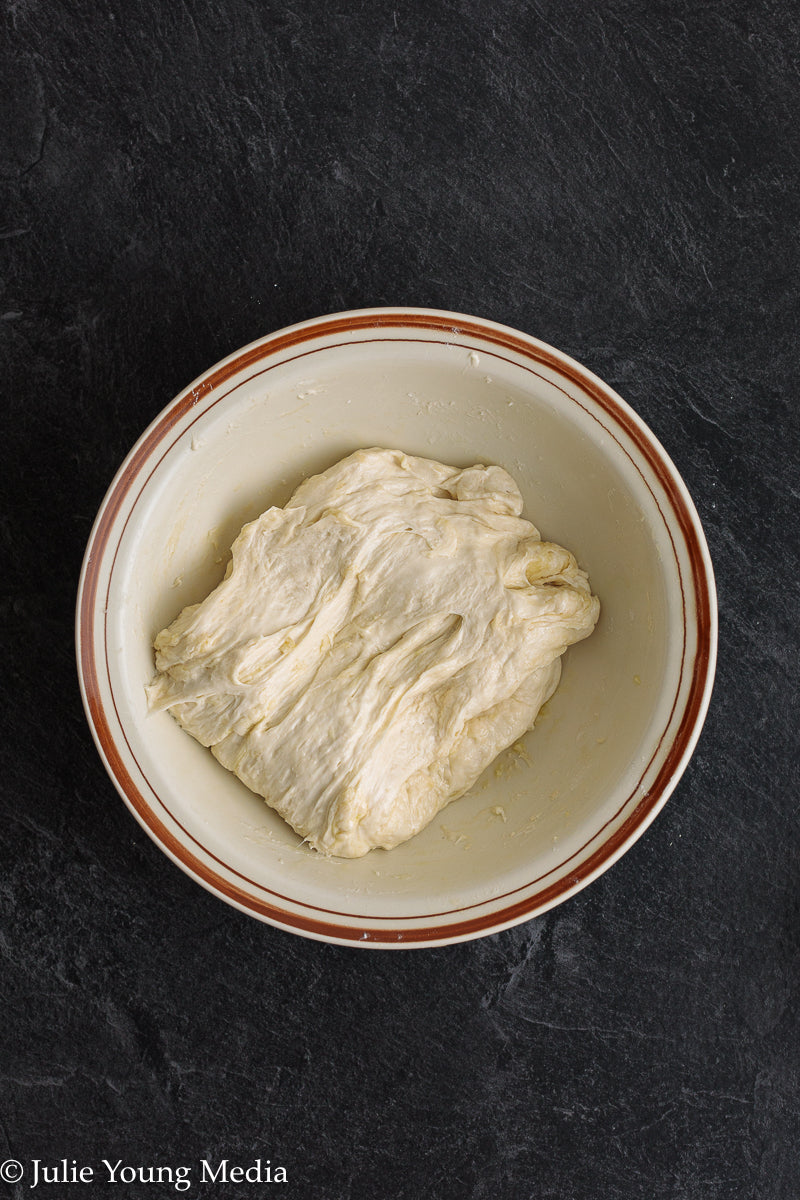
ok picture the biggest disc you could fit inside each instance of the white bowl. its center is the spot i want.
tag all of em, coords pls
(548, 816)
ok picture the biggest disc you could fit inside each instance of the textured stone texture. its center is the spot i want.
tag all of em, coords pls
(621, 180)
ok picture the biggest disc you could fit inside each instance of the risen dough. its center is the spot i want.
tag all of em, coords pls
(374, 645)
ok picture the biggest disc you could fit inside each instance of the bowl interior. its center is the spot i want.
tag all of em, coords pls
(568, 782)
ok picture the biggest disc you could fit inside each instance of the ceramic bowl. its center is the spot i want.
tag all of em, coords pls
(551, 813)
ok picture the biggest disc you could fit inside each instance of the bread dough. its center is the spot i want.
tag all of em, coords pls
(374, 645)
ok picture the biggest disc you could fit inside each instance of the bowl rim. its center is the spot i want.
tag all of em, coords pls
(425, 322)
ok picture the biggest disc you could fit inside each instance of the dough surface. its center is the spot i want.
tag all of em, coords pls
(374, 645)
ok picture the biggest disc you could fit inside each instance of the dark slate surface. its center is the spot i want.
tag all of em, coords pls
(623, 180)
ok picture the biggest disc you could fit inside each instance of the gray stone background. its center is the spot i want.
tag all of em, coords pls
(620, 180)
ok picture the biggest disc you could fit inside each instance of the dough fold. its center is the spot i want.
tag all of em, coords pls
(374, 645)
